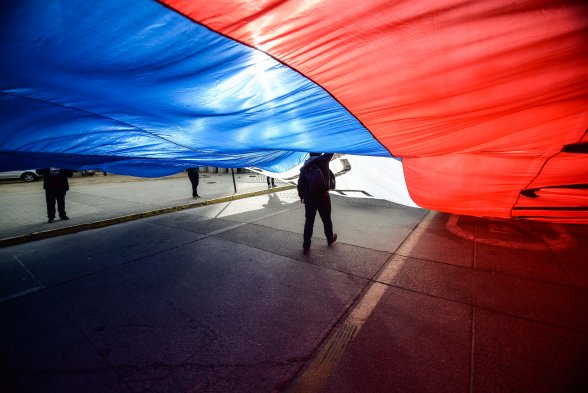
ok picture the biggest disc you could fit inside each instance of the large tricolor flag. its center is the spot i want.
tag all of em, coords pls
(484, 104)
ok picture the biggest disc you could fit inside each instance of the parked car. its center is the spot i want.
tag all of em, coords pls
(26, 175)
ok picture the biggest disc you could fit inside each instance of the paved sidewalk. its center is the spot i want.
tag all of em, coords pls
(104, 200)
(220, 298)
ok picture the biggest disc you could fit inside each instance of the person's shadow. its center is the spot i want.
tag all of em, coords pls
(273, 201)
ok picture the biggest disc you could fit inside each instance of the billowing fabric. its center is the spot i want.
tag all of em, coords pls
(361, 177)
(148, 92)
(483, 102)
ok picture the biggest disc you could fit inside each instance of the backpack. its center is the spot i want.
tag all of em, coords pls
(316, 181)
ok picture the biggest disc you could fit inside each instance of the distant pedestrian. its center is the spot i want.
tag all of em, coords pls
(194, 177)
(272, 181)
(56, 185)
(313, 189)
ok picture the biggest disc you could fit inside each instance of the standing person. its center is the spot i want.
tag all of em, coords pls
(313, 190)
(268, 181)
(56, 185)
(194, 179)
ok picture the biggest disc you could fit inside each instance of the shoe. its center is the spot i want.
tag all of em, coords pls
(333, 240)
(306, 251)
(64, 218)
(197, 196)
(51, 220)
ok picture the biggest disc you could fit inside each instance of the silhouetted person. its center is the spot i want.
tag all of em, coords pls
(194, 177)
(313, 190)
(56, 185)
(272, 181)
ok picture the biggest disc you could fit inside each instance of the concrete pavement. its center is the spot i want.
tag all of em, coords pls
(99, 200)
(220, 298)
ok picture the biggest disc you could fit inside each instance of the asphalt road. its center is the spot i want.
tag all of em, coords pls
(220, 298)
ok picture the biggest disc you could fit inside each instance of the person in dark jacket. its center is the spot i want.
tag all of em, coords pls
(316, 200)
(56, 185)
(194, 179)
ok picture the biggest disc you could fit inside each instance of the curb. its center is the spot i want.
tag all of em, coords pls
(11, 241)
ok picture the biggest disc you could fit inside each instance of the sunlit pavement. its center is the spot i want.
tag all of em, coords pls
(91, 201)
(220, 298)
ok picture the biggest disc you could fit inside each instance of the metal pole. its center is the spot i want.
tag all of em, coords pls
(234, 184)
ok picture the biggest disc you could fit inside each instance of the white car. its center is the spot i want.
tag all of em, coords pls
(26, 175)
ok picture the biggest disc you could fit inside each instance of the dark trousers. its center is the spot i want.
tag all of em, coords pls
(194, 179)
(322, 204)
(268, 181)
(55, 196)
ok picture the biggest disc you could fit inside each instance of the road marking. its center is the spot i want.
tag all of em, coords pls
(21, 293)
(314, 377)
(38, 285)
